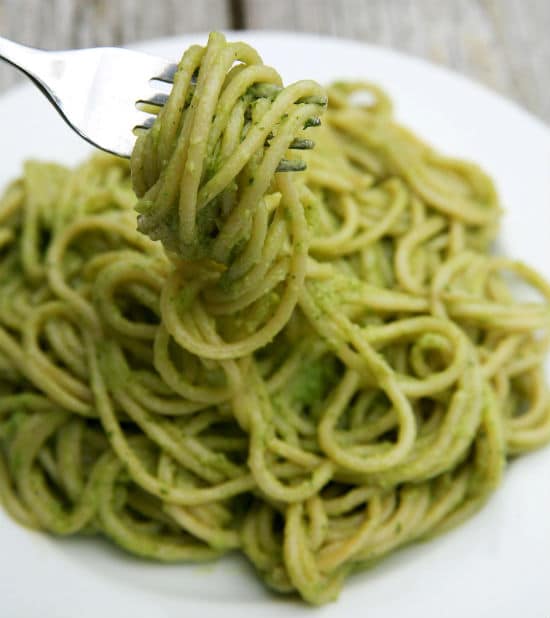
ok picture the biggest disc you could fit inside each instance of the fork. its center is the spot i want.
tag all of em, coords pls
(99, 92)
(96, 90)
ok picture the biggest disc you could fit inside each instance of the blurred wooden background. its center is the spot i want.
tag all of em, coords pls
(502, 43)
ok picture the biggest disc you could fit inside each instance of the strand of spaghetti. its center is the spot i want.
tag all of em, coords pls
(318, 363)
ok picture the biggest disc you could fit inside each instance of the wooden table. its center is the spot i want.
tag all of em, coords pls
(502, 43)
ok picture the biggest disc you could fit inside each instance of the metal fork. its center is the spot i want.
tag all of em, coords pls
(96, 90)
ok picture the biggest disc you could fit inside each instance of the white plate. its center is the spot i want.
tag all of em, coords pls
(497, 564)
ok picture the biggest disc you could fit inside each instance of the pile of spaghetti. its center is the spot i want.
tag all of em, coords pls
(311, 367)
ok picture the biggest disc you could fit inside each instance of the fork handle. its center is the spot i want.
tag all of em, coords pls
(20, 56)
(95, 90)
(43, 67)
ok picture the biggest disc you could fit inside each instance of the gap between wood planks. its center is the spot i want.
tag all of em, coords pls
(238, 14)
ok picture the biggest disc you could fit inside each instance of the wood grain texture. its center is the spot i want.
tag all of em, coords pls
(504, 44)
(58, 24)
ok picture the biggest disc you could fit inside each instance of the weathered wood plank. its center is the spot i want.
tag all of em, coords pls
(58, 24)
(502, 43)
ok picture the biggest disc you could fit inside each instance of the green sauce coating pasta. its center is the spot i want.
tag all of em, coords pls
(314, 368)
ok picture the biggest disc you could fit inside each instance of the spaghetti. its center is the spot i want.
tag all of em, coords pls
(314, 368)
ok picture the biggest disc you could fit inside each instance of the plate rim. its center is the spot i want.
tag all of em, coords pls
(511, 106)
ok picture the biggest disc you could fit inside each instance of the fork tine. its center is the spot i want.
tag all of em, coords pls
(142, 120)
(157, 100)
(167, 74)
(302, 144)
(314, 121)
(291, 165)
